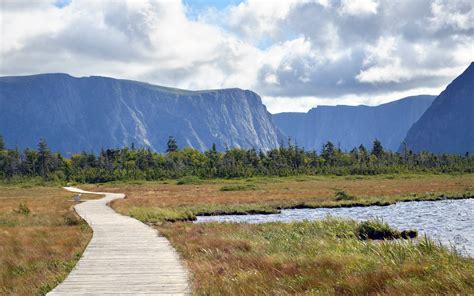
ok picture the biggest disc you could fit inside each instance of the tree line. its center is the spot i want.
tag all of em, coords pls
(130, 163)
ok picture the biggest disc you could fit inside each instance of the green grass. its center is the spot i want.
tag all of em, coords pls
(158, 215)
(380, 201)
(153, 215)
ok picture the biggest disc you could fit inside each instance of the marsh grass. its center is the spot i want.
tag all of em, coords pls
(305, 258)
(245, 187)
(153, 215)
(227, 197)
(41, 238)
(158, 215)
(273, 194)
(316, 258)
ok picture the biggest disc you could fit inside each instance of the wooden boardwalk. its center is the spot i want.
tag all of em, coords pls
(124, 257)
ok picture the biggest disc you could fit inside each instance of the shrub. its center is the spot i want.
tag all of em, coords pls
(342, 195)
(188, 180)
(71, 220)
(407, 234)
(246, 187)
(376, 229)
(23, 209)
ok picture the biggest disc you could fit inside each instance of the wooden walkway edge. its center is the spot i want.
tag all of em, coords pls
(124, 256)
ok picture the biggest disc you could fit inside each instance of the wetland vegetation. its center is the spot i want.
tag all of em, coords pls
(41, 238)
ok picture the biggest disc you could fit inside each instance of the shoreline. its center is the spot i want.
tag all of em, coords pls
(305, 205)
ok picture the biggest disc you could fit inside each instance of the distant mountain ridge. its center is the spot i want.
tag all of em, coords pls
(350, 126)
(447, 126)
(90, 113)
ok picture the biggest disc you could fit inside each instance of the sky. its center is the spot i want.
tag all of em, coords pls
(294, 54)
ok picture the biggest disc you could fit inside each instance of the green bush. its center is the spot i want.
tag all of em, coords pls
(407, 234)
(342, 195)
(376, 229)
(246, 187)
(189, 180)
(71, 220)
(23, 209)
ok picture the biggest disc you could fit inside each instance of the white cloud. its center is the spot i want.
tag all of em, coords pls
(253, 18)
(455, 14)
(306, 51)
(359, 7)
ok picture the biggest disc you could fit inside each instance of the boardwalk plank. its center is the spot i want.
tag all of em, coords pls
(124, 256)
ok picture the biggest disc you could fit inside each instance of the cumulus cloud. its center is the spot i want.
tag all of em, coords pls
(294, 53)
(359, 8)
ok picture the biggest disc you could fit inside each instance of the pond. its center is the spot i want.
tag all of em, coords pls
(449, 221)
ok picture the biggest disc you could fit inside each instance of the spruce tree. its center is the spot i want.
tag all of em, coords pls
(328, 152)
(44, 158)
(172, 145)
(377, 149)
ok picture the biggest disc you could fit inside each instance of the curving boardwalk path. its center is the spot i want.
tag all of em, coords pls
(124, 256)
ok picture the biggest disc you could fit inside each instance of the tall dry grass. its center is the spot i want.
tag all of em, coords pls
(314, 258)
(41, 238)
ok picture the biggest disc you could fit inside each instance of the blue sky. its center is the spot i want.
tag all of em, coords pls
(204, 4)
(294, 54)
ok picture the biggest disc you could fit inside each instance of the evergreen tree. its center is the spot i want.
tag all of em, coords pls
(44, 158)
(328, 152)
(377, 149)
(143, 164)
(172, 145)
(2, 143)
(405, 151)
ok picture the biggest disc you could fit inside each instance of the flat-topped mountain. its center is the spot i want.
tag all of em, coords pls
(90, 113)
(350, 126)
(447, 126)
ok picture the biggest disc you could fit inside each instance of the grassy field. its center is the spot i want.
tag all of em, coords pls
(155, 202)
(314, 258)
(304, 258)
(41, 238)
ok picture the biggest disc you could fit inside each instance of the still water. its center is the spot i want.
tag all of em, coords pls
(449, 221)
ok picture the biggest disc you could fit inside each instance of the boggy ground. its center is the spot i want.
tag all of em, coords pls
(41, 238)
(314, 258)
(155, 202)
(304, 258)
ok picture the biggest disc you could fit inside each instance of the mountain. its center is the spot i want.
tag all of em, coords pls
(90, 113)
(447, 126)
(350, 126)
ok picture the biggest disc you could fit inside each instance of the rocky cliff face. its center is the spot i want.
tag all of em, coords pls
(447, 126)
(91, 113)
(350, 126)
